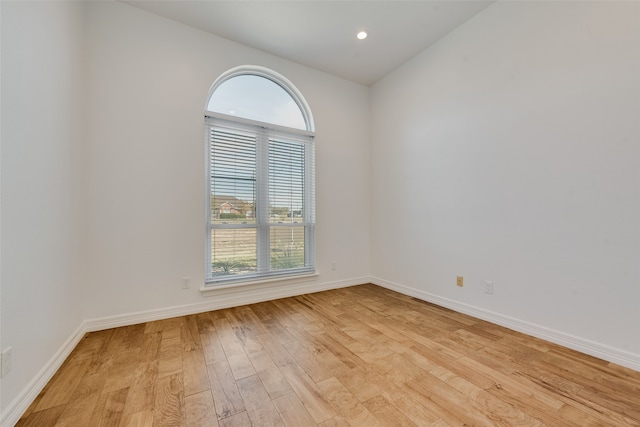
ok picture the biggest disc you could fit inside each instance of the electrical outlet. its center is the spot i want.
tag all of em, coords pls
(460, 281)
(186, 282)
(488, 287)
(333, 265)
(5, 362)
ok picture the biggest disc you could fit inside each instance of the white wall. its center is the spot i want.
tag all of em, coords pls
(42, 176)
(103, 174)
(148, 81)
(509, 152)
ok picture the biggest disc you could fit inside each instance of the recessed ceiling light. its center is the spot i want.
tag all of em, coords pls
(362, 35)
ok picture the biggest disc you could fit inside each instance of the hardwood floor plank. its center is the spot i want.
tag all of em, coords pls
(278, 332)
(336, 421)
(121, 370)
(260, 408)
(346, 356)
(245, 330)
(273, 380)
(233, 349)
(194, 369)
(571, 394)
(200, 410)
(248, 317)
(292, 411)
(143, 390)
(319, 304)
(238, 420)
(403, 369)
(263, 311)
(414, 405)
(45, 418)
(64, 383)
(204, 322)
(169, 366)
(103, 358)
(82, 403)
(590, 378)
(448, 403)
(515, 385)
(356, 381)
(171, 344)
(211, 346)
(190, 334)
(150, 346)
(498, 411)
(110, 413)
(530, 406)
(388, 414)
(276, 350)
(169, 402)
(356, 356)
(226, 396)
(133, 336)
(347, 405)
(316, 361)
(308, 392)
(97, 341)
(138, 419)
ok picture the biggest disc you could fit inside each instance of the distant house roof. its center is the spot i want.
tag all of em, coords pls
(218, 200)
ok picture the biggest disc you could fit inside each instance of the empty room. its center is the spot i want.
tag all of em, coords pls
(320, 213)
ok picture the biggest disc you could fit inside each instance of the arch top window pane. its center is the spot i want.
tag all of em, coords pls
(257, 98)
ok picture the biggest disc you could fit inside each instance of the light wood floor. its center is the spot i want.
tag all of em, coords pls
(360, 356)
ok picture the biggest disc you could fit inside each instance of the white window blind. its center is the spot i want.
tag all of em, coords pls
(261, 216)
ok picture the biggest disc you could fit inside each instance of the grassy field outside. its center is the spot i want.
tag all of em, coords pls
(234, 250)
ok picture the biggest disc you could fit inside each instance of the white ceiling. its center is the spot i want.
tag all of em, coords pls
(321, 34)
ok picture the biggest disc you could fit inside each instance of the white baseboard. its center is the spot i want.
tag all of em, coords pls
(19, 405)
(610, 354)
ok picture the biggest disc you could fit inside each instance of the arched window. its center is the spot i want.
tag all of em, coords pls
(260, 178)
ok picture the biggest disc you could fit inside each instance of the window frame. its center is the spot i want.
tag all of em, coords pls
(264, 133)
(280, 80)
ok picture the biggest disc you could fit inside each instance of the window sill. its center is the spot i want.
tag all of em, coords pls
(212, 290)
